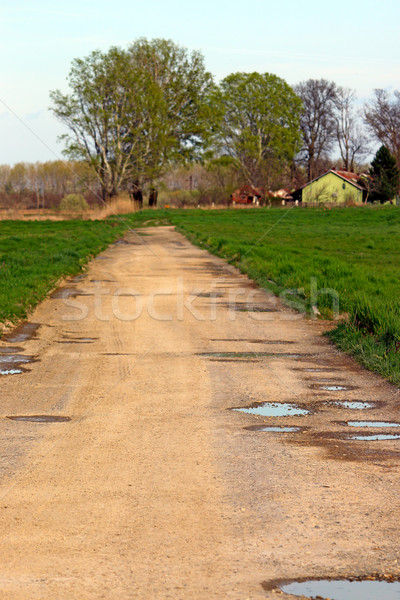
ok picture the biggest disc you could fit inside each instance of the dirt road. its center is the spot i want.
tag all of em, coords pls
(154, 488)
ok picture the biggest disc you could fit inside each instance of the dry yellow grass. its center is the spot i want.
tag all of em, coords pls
(120, 205)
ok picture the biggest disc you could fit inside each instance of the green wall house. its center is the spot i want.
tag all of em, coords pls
(333, 187)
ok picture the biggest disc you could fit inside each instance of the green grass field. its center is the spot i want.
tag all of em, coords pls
(35, 255)
(353, 251)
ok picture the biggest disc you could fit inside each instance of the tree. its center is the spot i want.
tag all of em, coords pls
(179, 114)
(97, 113)
(259, 123)
(132, 111)
(317, 122)
(384, 175)
(382, 117)
(352, 142)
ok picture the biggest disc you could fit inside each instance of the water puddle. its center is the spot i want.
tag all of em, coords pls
(209, 295)
(79, 340)
(251, 308)
(273, 429)
(40, 418)
(273, 409)
(103, 281)
(24, 332)
(372, 424)
(242, 355)
(10, 364)
(314, 370)
(355, 405)
(68, 292)
(11, 349)
(375, 437)
(344, 589)
(78, 278)
(247, 341)
(331, 388)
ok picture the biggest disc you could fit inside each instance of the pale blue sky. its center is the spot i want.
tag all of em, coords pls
(356, 44)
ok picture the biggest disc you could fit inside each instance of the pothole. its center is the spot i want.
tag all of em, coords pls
(68, 292)
(344, 589)
(251, 354)
(273, 409)
(39, 418)
(78, 278)
(12, 371)
(103, 281)
(250, 308)
(315, 370)
(372, 424)
(354, 405)
(11, 349)
(10, 364)
(375, 437)
(24, 332)
(79, 340)
(251, 341)
(331, 388)
(209, 295)
(273, 429)
(15, 359)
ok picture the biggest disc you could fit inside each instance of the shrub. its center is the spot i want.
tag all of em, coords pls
(73, 203)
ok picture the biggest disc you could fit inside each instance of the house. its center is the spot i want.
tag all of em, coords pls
(334, 187)
(247, 195)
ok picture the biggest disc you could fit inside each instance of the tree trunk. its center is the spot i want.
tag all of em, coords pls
(153, 197)
(137, 195)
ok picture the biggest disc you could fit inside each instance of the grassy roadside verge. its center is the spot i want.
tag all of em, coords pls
(35, 255)
(310, 256)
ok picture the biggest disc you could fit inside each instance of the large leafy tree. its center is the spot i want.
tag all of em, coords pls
(178, 92)
(384, 176)
(131, 112)
(318, 123)
(259, 123)
(103, 101)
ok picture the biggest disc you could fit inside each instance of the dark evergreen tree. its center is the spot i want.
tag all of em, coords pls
(385, 176)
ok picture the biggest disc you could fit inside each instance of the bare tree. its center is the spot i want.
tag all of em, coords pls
(317, 121)
(382, 117)
(353, 143)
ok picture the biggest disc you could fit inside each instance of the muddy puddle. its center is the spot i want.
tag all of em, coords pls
(39, 418)
(208, 294)
(12, 371)
(253, 341)
(244, 307)
(331, 387)
(23, 333)
(273, 429)
(244, 355)
(374, 437)
(68, 292)
(11, 349)
(315, 369)
(78, 278)
(103, 281)
(344, 589)
(273, 409)
(355, 405)
(379, 424)
(12, 364)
